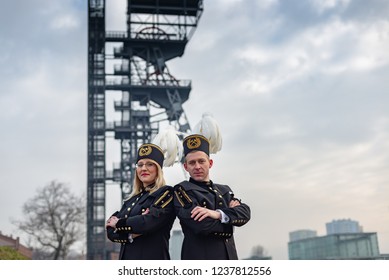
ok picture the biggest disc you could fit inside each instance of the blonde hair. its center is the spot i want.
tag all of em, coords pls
(138, 185)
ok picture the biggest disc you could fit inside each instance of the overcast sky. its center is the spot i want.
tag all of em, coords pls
(299, 88)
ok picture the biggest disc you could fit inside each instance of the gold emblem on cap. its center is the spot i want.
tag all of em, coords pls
(193, 143)
(145, 151)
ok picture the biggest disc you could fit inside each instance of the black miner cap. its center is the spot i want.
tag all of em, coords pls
(151, 151)
(196, 142)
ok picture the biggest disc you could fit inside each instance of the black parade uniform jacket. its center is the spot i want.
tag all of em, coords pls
(154, 227)
(208, 239)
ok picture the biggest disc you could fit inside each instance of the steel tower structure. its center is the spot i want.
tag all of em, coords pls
(156, 31)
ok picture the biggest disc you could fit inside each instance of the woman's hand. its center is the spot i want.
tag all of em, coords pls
(111, 222)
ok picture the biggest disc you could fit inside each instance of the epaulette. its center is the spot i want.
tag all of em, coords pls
(182, 197)
(164, 199)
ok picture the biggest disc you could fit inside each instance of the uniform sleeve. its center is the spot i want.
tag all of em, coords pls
(114, 236)
(184, 202)
(239, 215)
(161, 212)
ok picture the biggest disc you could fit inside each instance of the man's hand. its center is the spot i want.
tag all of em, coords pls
(200, 213)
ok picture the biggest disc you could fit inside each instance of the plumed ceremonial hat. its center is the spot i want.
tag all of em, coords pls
(196, 142)
(165, 148)
(150, 151)
(206, 136)
(170, 145)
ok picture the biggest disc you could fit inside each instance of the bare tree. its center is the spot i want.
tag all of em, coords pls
(53, 220)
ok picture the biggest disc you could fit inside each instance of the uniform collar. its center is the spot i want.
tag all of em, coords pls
(149, 187)
(201, 184)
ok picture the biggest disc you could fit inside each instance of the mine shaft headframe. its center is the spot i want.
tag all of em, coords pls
(163, 19)
(158, 31)
(163, 26)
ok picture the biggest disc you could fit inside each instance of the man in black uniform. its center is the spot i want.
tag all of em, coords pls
(207, 211)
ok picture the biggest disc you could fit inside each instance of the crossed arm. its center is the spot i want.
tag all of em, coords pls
(200, 213)
(112, 221)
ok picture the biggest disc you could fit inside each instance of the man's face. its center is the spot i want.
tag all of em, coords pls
(197, 164)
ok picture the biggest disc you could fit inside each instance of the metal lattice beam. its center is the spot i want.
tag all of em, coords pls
(157, 31)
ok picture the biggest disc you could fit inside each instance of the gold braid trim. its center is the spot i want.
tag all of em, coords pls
(161, 197)
(184, 194)
(167, 202)
(179, 199)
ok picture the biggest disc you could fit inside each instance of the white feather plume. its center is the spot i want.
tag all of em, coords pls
(209, 128)
(170, 144)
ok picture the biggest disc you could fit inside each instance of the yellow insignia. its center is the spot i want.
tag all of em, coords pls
(145, 151)
(193, 143)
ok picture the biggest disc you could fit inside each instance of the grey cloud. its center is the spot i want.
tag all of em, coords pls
(313, 133)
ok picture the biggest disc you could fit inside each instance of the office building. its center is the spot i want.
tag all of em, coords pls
(301, 234)
(345, 240)
(343, 226)
(344, 246)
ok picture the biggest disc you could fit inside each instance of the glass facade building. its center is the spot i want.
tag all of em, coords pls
(301, 234)
(343, 226)
(345, 246)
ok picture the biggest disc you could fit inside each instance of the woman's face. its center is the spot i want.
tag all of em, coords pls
(147, 171)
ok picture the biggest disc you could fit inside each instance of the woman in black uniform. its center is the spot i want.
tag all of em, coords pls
(143, 224)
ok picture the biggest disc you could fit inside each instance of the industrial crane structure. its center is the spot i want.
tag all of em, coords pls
(131, 64)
